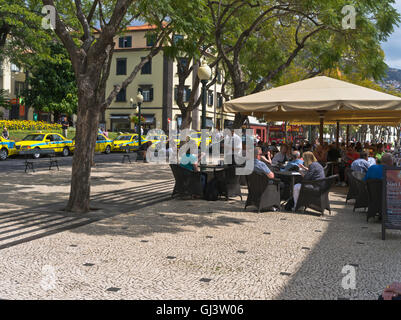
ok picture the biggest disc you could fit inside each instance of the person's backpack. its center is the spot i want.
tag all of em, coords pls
(211, 191)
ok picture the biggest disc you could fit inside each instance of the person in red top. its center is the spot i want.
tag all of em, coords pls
(351, 155)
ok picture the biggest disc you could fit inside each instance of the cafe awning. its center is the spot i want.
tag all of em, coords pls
(309, 101)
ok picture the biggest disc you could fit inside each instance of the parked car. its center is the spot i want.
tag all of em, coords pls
(126, 140)
(103, 144)
(38, 141)
(7, 148)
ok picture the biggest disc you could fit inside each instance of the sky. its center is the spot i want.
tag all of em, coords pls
(392, 47)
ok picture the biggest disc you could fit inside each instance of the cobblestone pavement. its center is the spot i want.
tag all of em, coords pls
(182, 249)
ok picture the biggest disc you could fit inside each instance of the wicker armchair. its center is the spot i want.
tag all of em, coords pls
(315, 194)
(187, 182)
(375, 192)
(228, 182)
(353, 187)
(362, 199)
(264, 193)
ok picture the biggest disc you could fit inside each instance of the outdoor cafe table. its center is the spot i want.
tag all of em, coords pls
(293, 176)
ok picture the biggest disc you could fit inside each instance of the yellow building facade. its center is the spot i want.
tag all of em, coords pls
(157, 81)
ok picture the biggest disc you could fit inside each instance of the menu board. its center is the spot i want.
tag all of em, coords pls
(392, 196)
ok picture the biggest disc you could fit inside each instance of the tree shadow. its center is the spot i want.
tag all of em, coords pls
(347, 241)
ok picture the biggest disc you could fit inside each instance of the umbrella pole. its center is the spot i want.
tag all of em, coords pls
(338, 135)
(321, 129)
(347, 135)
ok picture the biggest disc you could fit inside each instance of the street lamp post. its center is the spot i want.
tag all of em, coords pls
(204, 73)
(139, 100)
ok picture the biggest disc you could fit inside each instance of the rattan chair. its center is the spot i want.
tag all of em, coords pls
(264, 193)
(326, 170)
(375, 192)
(315, 194)
(228, 182)
(187, 182)
(353, 188)
(362, 199)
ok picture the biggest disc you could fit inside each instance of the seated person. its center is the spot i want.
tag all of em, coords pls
(320, 154)
(351, 155)
(295, 161)
(5, 133)
(376, 171)
(260, 166)
(314, 171)
(282, 156)
(191, 162)
(371, 158)
(379, 153)
(361, 164)
(333, 154)
(266, 158)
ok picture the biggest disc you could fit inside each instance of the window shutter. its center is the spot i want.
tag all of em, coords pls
(188, 94)
(175, 93)
(129, 42)
(121, 42)
(151, 94)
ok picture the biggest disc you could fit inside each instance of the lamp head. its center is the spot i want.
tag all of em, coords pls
(139, 98)
(204, 71)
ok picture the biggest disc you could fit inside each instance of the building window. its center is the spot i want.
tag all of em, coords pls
(19, 88)
(187, 93)
(219, 100)
(150, 40)
(182, 64)
(125, 42)
(15, 68)
(121, 66)
(219, 77)
(147, 68)
(147, 93)
(210, 97)
(121, 96)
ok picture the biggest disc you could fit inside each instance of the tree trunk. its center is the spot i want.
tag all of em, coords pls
(239, 120)
(86, 131)
(186, 119)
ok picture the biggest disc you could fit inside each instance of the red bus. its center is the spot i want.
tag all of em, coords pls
(277, 133)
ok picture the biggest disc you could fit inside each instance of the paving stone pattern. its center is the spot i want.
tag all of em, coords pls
(183, 249)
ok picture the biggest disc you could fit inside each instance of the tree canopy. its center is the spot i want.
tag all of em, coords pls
(52, 85)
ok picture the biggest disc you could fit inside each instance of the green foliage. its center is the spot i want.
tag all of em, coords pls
(271, 43)
(52, 83)
(21, 25)
(4, 100)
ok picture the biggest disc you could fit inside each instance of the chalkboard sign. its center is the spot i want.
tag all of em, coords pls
(392, 200)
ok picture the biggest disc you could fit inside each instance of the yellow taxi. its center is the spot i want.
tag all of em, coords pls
(103, 144)
(197, 137)
(129, 139)
(7, 148)
(38, 141)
